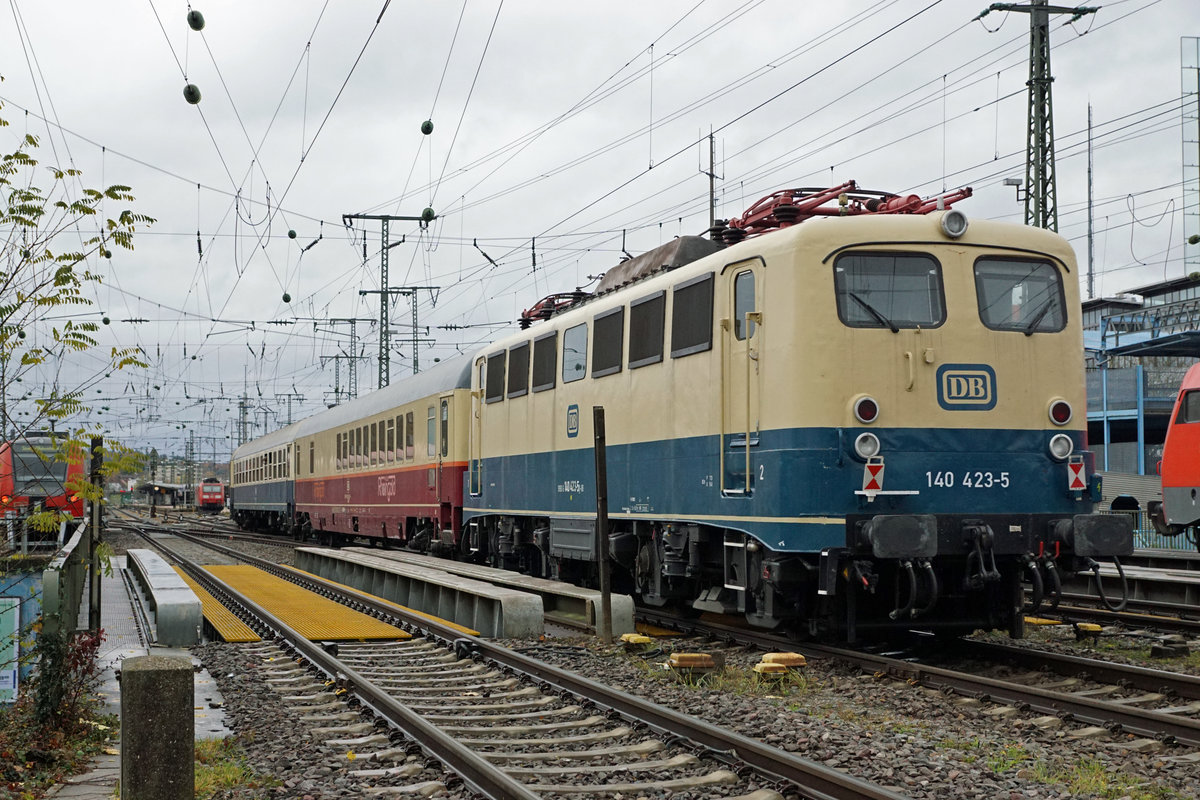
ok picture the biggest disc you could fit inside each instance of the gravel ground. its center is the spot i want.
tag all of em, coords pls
(920, 743)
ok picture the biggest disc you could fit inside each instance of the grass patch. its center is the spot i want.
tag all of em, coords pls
(743, 682)
(220, 765)
(1007, 758)
(1090, 778)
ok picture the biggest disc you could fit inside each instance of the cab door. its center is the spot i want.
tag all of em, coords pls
(741, 347)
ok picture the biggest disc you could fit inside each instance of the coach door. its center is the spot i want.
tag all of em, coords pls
(443, 447)
(474, 438)
(741, 337)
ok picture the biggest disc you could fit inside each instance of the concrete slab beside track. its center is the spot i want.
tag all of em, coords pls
(316, 618)
(561, 602)
(1157, 584)
(494, 611)
(176, 607)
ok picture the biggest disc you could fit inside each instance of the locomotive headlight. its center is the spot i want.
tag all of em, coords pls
(954, 223)
(1061, 446)
(866, 445)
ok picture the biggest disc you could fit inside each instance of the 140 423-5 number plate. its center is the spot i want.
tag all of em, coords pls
(969, 479)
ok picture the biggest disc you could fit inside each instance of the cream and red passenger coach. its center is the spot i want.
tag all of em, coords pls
(387, 465)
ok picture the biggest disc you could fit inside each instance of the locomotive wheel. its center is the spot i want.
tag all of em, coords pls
(643, 577)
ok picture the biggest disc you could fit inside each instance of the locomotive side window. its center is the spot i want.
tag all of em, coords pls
(1189, 409)
(574, 353)
(545, 353)
(1020, 295)
(889, 290)
(691, 316)
(518, 370)
(646, 318)
(495, 377)
(743, 304)
(608, 342)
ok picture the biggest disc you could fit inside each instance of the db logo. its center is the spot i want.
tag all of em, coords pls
(966, 387)
(572, 421)
(387, 485)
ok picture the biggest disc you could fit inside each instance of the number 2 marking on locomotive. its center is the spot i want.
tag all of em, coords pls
(762, 471)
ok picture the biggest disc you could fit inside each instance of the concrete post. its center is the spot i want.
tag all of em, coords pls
(157, 729)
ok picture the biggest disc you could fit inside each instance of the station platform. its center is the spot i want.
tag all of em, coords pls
(125, 637)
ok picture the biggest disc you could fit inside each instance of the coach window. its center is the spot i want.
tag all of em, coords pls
(889, 290)
(358, 446)
(408, 436)
(608, 342)
(743, 304)
(691, 316)
(391, 439)
(518, 370)
(495, 377)
(545, 359)
(575, 353)
(431, 433)
(374, 432)
(312, 457)
(1017, 294)
(646, 319)
(445, 428)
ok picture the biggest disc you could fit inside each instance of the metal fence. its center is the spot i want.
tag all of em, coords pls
(63, 582)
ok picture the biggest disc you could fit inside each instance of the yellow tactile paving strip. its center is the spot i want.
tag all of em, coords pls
(315, 617)
(406, 609)
(224, 622)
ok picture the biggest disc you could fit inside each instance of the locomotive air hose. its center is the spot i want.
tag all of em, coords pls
(1035, 578)
(927, 568)
(912, 592)
(1055, 581)
(1095, 565)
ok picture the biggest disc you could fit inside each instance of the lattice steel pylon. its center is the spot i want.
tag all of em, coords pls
(1041, 204)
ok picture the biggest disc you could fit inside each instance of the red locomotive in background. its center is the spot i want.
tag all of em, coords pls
(210, 496)
(1179, 511)
(34, 477)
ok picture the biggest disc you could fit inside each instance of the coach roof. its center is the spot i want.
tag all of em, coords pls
(453, 373)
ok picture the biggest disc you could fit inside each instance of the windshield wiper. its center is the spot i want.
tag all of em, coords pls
(1041, 312)
(873, 312)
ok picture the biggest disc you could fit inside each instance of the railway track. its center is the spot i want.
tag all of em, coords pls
(505, 724)
(1098, 697)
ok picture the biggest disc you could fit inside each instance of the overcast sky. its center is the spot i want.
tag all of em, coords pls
(563, 134)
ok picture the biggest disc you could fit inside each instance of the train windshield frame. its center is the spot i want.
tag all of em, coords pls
(1189, 408)
(32, 474)
(889, 290)
(1020, 294)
